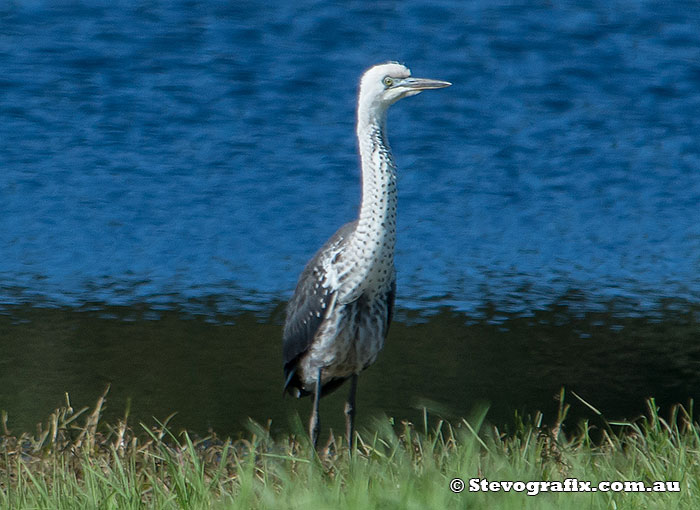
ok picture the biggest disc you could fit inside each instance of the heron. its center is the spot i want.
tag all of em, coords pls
(339, 315)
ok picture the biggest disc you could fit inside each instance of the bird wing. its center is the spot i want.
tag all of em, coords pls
(309, 305)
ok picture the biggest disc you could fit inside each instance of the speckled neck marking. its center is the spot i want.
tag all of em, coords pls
(368, 260)
(377, 223)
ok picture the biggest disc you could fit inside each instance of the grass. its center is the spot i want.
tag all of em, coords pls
(75, 461)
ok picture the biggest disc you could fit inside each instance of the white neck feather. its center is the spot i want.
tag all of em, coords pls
(377, 222)
(367, 264)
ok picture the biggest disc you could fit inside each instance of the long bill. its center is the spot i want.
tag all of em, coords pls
(424, 83)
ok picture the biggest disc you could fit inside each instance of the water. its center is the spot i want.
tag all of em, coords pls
(171, 160)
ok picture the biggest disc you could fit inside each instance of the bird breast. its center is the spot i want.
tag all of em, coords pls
(363, 266)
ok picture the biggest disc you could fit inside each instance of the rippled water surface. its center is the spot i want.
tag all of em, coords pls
(188, 157)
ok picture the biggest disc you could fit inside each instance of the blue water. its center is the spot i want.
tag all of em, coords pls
(178, 150)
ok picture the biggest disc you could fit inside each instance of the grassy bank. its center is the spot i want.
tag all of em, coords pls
(76, 461)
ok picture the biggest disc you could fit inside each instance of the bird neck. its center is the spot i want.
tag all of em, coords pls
(377, 222)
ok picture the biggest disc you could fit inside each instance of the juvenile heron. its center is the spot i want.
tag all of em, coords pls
(340, 312)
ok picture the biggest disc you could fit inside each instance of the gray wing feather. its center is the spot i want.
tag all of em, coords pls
(306, 310)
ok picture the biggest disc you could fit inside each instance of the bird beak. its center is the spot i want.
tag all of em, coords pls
(419, 84)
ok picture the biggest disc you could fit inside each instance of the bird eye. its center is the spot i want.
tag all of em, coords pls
(388, 81)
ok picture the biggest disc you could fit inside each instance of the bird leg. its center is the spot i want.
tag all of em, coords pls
(350, 413)
(315, 421)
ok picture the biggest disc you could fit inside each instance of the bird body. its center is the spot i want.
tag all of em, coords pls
(353, 312)
(339, 315)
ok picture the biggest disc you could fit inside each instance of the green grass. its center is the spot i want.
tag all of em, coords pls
(75, 461)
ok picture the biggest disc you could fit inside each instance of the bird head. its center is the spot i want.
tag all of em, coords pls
(384, 84)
